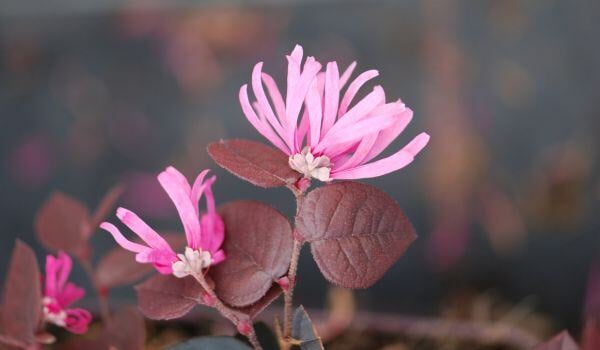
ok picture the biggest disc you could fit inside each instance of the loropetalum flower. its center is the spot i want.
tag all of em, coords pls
(331, 137)
(204, 233)
(60, 294)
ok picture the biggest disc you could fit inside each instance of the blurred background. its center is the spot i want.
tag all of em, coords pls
(505, 198)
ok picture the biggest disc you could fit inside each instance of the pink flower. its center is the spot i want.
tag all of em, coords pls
(334, 138)
(60, 294)
(204, 233)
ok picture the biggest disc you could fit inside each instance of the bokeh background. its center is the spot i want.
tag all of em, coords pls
(505, 198)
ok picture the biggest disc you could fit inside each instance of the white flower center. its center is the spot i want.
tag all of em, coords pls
(310, 166)
(191, 262)
(57, 318)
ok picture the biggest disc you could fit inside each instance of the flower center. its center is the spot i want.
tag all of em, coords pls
(53, 313)
(310, 166)
(191, 262)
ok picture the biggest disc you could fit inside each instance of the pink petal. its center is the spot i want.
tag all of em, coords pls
(160, 258)
(185, 208)
(140, 228)
(121, 240)
(198, 187)
(276, 97)
(346, 75)
(356, 132)
(387, 165)
(77, 320)
(361, 152)
(302, 132)
(258, 124)
(314, 108)
(213, 232)
(388, 135)
(70, 294)
(261, 98)
(51, 288)
(218, 257)
(353, 90)
(181, 180)
(332, 96)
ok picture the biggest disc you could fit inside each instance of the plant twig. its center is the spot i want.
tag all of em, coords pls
(102, 300)
(227, 312)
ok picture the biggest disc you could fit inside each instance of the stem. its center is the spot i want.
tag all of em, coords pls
(102, 300)
(227, 312)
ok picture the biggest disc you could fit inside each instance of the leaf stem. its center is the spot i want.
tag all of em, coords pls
(227, 312)
(102, 300)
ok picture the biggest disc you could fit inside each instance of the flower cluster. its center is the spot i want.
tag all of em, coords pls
(60, 294)
(331, 137)
(204, 233)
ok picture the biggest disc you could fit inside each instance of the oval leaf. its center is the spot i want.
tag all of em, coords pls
(254, 162)
(165, 297)
(127, 330)
(258, 246)
(356, 232)
(21, 305)
(105, 206)
(304, 331)
(118, 267)
(63, 223)
(211, 343)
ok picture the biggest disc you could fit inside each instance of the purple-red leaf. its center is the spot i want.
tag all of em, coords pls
(356, 232)
(255, 309)
(258, 246)
(561, 341)
(165, 297)
(105, 206)
(118, 267)
(63, 223)
(127, 330)
(254, 162)
(21, 306)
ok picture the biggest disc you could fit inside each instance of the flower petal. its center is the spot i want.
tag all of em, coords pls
(140, 228)
(387, 165)
(77, 320)
(276, 97)
(261, 98)
(314, 108)
(388, 135)
(353, 90)
(70, 294)
(346, 75)
(121, 240)
(332, 97)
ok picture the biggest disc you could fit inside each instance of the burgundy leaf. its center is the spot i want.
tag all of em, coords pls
(106, 205)
(356, 232)
(127, 330)
(258, 246)
(165, 297)
(21, 306)
(118, 267)
(254, 162)
(63, 223)
(255, 309)
(562, 341)
(591, 335)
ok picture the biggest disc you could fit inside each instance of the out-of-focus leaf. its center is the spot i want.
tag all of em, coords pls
(356, 232)
(258, 245)
(118, 267)
(211, 343)
(21, 305)
(266, 337)
(106, 205)
(304, 331)
(591, 335)
(254, 162)
(63, 223)
(561, 341)
(165, 297)
(255, 309)
(127, 330)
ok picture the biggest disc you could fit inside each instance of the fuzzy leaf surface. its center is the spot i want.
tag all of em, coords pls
(258, 246)
(356, 232)
(254, 162)
(165, 297)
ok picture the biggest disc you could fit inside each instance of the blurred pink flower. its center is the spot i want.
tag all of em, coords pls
(60, 294)
(331, 140)
(204, 233)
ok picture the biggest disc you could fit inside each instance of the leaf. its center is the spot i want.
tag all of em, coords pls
(591, 334)
(118, 267)
(211, 343)
(304, 331)
(258, 246)
(165, 297)
(106, 205)
(63, 223)
(356, 232)
(127, 330)
(562, 341)
(254, 162)
(255, 309)
(21, 306)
